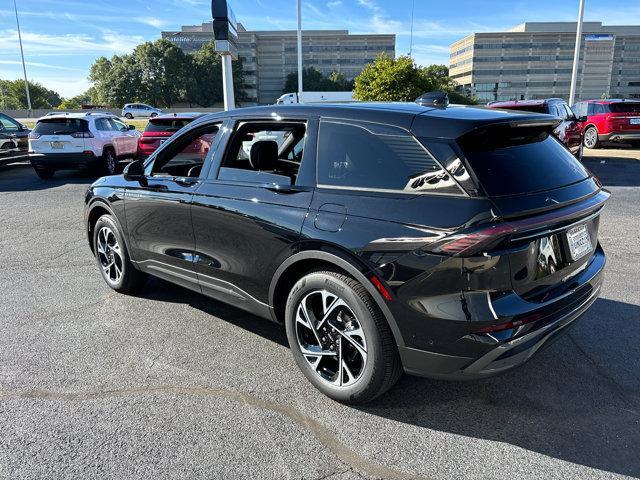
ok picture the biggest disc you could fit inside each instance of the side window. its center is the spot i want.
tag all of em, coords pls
(591, 109)
(264, 152)
(8, 125)
(378, 157)
(117, 125)
(599, 109)
(553, 110)
(185, 156)
(103, 125)
(568, 114)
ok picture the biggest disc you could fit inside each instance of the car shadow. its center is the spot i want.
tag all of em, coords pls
(563, 403)
(20, 177)
(614, 171)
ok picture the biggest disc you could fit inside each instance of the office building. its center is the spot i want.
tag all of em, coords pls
(269, 56)
(534, 60)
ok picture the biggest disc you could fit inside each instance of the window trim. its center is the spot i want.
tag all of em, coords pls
(342, 121)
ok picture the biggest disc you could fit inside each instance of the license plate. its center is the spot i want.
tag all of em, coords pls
(57, 145)
(579, 241)
(634, 121)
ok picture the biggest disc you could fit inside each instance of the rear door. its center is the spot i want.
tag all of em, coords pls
(248, 213)
(59, 135)
(125, 139)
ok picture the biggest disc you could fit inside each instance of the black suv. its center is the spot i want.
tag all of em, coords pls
(444, 242)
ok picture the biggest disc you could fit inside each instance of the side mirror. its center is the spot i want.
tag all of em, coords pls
(582, 118)
(132, 127)
(134, 171)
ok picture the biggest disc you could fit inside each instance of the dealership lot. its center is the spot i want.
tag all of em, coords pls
(170, 384)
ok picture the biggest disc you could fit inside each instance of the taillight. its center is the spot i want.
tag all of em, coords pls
(82, 135)
(498, 327)
(473, 241)
(34, 136)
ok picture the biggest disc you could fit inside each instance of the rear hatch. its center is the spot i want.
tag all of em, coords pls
(157, 131)
(546, 202)
(624, 117)
(59, 135)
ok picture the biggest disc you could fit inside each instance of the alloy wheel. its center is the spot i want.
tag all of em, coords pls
(331, 338)
(590, 137)
(109, 254)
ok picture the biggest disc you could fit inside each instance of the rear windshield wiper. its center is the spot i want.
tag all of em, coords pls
(63, 132)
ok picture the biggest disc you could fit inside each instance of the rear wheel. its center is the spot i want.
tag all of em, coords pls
(113, 258)
(340, 339)
(44, 172)
(591, 137)
(154, 115)
(128, 115)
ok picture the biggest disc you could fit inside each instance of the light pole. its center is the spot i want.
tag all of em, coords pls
(24, 68)
(576, 54)
(300, 100)
(413, 7)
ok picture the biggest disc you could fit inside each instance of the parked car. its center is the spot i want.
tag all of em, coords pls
(568, 131)
(13, 140)
(80, 140)
(160, 128)
(609, 121)
(445, 242)
(315, 97)
(131, 110)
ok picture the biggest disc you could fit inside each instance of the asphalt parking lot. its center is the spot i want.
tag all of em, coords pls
(169, 384)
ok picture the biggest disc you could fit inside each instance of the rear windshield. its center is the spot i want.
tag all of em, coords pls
(624, 107)
(167, 125)
(519, 160)
(60, 126)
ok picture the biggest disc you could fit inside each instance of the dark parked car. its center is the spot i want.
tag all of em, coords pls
(14, 140)
(445, 242)
(568, 131)
(609, 121)
(160, 128)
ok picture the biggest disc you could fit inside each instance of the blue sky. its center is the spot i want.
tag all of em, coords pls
(62, 37)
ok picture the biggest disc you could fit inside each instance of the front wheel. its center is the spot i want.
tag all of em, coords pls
(591, 137)
(340, 339)
(109, 164)
(113, 258)
(154, 115)
(128, 115)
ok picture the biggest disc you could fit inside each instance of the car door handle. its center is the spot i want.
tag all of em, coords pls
(186, 181)
(158, 187)
(285, 189)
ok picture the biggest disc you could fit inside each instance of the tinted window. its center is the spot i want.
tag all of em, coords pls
(373, 156)
(118, 125)
(530, 108)
(60, 126)
(166, 125)
(625, 107)
(512, 161)
(598, 108)
(456, 169)
(8, 124)
(103, 125)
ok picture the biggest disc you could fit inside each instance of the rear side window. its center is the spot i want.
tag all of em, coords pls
(166, 125)
(624, 107)
(60, 126)
(513, 161)
(378, 157)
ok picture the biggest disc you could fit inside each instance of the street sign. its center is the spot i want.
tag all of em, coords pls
(225, 28)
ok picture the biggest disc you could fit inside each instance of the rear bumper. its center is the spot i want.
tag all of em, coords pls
(63, 160)
(619, 136)
(496, 353)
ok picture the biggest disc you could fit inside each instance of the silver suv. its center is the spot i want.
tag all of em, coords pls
(131, 110)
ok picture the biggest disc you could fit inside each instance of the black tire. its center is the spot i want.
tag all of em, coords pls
(130, 279)
(44, 172)
(108, 163)
(382, 367)
(128, 115)
(590, 138)
(154, 115)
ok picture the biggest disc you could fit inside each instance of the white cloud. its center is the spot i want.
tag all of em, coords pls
(334, 4)
(38, 65)
(39, 43)
(152, 21)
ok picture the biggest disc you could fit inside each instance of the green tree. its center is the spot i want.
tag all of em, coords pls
(13, 96)
(313, 80)
(401, 80)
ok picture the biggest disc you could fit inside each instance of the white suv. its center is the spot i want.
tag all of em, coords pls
(80, 140)
(131, 110)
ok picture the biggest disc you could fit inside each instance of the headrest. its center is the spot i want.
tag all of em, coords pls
(264, 155)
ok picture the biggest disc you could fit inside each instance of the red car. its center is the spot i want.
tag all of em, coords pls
(569, 131)
(160, 128)
(610, 121)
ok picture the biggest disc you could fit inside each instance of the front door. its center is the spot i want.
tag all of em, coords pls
(248, 213)
(158, 208)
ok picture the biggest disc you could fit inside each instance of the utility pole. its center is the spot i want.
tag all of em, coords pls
(576, 54)
(300, 100)
(24, 68)
(227, 82)
(413, 7)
